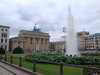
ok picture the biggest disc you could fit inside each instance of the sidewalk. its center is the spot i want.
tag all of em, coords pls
(11, 69)
(6, 69)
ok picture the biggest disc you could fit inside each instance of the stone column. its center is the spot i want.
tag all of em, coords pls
(28, 43)
(44, 44)
(47, 44)
(17, 43)
(13, 45)
(22, 45)
(34, 43)
(40, 44)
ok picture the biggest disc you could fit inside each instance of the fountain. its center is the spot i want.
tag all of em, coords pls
(71, 42)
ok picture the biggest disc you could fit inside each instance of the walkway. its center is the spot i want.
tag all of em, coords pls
(6, 69)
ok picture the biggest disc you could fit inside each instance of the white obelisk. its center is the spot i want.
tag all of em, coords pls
(71, 42)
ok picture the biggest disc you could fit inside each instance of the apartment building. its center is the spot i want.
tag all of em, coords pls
(4, 37)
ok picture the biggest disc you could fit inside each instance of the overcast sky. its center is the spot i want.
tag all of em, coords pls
(49, 15)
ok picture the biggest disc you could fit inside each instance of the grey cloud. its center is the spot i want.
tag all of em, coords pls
(50, 15)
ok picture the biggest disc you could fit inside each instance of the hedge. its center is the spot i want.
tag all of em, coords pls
(64, 59)
(90, 54)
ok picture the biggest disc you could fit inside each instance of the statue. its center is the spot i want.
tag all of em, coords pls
(36, 29)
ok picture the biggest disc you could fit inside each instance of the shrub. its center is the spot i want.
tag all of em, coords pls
(64, 59)
(18, 50)
(90, 54)
(2, 51)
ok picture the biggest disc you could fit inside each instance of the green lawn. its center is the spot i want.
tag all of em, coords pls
(50, 67)
(19, 55)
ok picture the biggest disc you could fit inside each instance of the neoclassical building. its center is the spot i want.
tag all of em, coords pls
(4, 37)
(31, 40)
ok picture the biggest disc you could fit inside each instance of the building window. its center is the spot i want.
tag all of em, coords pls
(96, 37)
(96, 43)
(5, 40)
(18, 42)
(5, 47)
(1, 40)
(2, 35)
(96, 40)
(6, 35)
(30, 42)
(2, 29)
(6, 30)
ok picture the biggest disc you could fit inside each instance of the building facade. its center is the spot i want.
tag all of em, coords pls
(57, 46)
(81, 40)
(85, 41)
(31, 40)
(4, 37)
(39, 41)
(92, 42)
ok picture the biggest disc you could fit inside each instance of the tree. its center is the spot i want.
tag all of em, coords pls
(18, 50)
(2, 51)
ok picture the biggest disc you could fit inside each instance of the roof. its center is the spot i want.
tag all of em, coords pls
(18, 38)
(4, 26)
(57, 41)
(97, 34)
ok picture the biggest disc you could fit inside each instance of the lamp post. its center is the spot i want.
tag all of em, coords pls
(64, 31)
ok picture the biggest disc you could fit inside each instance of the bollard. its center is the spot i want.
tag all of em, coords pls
(61, 68)
(5, 57)
(11, 61)
(1, 57)
(20, 63)
(34, 67)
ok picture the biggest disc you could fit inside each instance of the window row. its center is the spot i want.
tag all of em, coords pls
(3, 40)
(97, 43)
(4, 29)
(4, 35)
(4, 47)
(97, 37)
(89, 44)
(89, 47)
(97, 40)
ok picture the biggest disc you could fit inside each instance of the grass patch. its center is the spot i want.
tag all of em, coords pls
(68, 70)
(18, 55)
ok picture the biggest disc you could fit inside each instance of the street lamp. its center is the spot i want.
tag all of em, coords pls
(64, 30)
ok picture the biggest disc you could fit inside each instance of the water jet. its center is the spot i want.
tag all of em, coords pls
(71, 40)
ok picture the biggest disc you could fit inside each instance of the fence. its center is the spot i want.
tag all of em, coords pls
(8, 58)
